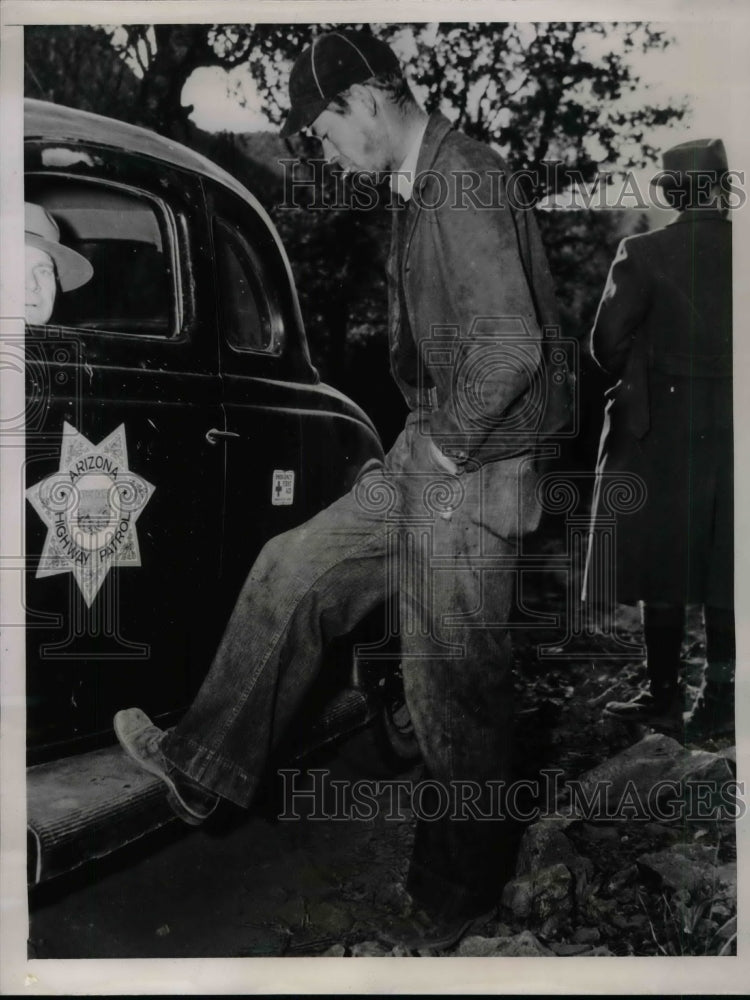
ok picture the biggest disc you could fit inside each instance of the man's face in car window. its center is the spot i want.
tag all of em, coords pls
(41, 286)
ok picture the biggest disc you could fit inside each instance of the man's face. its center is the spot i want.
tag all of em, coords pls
(355, 139)
(41, 286)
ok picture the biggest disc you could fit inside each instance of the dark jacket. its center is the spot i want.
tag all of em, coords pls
(664, 329)
(478, 297)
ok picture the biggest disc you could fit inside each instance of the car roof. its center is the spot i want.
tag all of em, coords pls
(48, 121)
(45, 120)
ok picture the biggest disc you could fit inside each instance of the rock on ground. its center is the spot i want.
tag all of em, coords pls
(545, 844)
(523, 945)
(692, 868)
(542, 894)
(647, 767)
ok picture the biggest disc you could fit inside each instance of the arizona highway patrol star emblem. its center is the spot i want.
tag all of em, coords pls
(90, 506)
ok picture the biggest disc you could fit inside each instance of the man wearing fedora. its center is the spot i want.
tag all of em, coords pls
(664, 330)
(469, 293)
(49, 264)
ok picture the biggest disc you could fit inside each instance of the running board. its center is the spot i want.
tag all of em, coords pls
(351, 709)
(85, 807)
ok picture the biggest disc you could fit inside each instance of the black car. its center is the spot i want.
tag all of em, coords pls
(174, 423)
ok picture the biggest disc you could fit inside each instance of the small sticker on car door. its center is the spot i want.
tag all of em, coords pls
(282, 490)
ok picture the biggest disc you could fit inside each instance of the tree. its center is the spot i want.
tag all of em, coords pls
(78, 66)
(542, 93)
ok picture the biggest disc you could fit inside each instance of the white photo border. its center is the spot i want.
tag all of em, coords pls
(314, 975)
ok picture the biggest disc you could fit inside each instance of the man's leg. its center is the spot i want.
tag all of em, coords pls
(713, 712)
(458, 685)
(661, 705)
(306, 587)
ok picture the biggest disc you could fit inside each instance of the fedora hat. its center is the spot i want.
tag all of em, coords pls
(695, 156)
(73, 270)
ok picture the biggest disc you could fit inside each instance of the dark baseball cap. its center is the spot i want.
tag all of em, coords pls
(333, 63)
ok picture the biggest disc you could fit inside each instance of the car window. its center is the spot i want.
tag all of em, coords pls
(126, 237)
(248, 321)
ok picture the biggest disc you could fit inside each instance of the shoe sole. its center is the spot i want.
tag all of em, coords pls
(448, 940)
(644, 719)
(176, 804)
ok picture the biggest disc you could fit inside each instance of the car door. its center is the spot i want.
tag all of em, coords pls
(264, 368)
(124, 484)
(293, 445)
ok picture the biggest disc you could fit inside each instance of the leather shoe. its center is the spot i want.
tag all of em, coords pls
(664, 712)
(142, 740)
(421, 931)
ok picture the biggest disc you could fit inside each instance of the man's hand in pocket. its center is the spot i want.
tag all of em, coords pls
(442, 459)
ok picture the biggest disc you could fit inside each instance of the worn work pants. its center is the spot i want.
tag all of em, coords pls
(446, 545)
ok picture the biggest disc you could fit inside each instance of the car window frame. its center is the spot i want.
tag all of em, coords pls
(278, 331)
(292, 363)
(174, 234)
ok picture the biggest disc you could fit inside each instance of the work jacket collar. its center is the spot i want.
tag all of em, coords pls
(437, 129)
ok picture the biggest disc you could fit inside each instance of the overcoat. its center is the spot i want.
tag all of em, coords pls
(664, 329)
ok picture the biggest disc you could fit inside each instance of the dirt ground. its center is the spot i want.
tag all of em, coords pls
(261, 886)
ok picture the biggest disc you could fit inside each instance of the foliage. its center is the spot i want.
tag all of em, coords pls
(694, 921)
(79, 67)
(539, 92)
(685, 924)
(543, 93)
(582, 244)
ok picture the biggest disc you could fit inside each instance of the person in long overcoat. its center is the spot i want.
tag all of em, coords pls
(664, 330)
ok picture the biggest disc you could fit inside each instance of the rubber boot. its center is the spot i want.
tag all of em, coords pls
(713, 712)
(661, 705)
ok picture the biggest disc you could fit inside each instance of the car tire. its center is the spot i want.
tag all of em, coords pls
(387, 745)
(395, 733)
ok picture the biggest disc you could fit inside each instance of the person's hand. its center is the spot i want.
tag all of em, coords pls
(442, 459)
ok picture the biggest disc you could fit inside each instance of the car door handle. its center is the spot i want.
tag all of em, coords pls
(214, 435)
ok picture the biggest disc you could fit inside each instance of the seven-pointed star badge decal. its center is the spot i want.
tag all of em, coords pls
(90, 506)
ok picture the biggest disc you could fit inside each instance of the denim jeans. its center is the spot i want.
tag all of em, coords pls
(444, 546)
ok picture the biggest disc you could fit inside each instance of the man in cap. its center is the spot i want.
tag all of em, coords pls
(664, 329)
(469, 295)
(49, 263)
